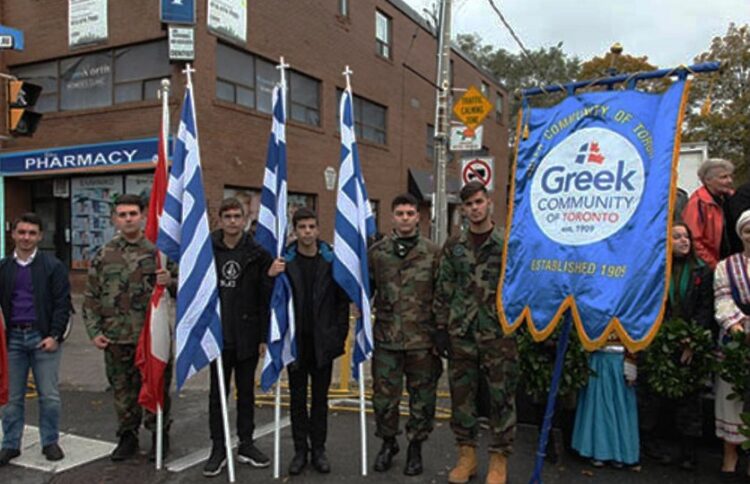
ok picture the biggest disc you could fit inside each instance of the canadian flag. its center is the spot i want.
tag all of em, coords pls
(154, 343)
(3, 363)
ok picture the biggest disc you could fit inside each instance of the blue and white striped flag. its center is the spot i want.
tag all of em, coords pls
(354, 225)
(184, 237)
(271, 235)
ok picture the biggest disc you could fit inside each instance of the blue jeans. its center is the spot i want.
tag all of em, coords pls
(22, 355)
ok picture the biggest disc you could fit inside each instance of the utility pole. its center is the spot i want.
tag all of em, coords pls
(442, 122)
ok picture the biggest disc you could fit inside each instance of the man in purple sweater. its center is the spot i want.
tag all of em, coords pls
(35, 301)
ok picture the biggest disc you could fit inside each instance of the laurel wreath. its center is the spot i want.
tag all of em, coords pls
(664, 373)
(537, 360)
(735, 366)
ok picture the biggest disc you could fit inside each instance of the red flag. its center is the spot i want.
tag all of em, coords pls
(3, 363)
(152, 353)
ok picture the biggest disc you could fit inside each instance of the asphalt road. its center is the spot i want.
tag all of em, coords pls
(90, 414)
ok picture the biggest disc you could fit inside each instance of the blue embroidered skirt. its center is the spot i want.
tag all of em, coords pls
(606, 425)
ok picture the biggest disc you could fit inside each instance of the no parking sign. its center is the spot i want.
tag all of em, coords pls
(481, 169)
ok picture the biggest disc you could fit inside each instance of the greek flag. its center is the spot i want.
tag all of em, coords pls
(184, 237)
(354, 224)
(271, 235)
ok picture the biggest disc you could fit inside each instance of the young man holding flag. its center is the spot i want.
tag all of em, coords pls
(322, 325)
(120, 282)
(244, 290)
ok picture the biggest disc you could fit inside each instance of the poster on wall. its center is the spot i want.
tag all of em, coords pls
(91, 205)
(228, 19)
(87, 22)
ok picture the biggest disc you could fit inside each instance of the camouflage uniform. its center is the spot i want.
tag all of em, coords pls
(403, 330)
(465, 305)
(120, 282)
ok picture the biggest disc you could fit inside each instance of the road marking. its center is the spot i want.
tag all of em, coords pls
(78, 451)
(195, 458)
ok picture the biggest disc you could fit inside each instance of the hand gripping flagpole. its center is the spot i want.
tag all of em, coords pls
(361, 381)
(218, 362)
(164, 94)
(280, 244)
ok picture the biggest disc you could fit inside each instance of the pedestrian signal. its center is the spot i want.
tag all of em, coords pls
(22, 96)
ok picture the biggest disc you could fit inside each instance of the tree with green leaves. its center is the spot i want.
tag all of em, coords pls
(539, 67)
(726, 126)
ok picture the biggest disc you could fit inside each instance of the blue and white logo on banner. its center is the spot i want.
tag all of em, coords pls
(177, 12)
(590, 214)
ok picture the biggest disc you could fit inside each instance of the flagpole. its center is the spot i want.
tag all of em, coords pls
(219, 362)
(280, 246)
(164, 94)
(225, 416)
(362, 422)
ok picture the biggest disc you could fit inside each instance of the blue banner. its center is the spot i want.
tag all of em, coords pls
(81, 157)
(177, 12)
(589, 218)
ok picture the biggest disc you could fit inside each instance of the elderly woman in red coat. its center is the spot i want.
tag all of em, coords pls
(705, 211)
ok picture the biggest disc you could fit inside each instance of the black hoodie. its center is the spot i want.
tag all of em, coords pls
(244, 306)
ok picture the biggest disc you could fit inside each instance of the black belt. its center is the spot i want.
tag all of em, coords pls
(21, 326)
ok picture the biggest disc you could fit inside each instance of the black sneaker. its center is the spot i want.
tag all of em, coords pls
(127, 447)
(7, 454)
(216, 461)
(248, 453)
(53, 452)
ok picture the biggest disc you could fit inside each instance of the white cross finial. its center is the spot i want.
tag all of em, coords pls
(282, 67)
(188, 71)
(348, 74)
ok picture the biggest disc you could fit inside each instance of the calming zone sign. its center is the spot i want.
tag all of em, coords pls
(589, 219)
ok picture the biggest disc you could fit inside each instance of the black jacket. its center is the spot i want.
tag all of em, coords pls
(331, 318)
(51, 293)
(697, 304)
(251, 309)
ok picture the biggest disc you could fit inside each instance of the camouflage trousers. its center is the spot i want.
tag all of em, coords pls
(125, 380)
(496, 361)
(422, 370)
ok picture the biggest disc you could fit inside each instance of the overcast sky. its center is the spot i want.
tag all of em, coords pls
(669, 32)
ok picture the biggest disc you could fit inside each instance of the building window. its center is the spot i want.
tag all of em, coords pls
(485, 90)
(99, 79)
(235, 76)
(499, 107)
(304, 99)
(344, 8)
(369, 119)
(248, 80)
(383, 34)
(430, 142)
(139, 70)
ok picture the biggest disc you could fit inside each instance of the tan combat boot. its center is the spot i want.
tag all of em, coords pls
(466, 467)
(498, 469)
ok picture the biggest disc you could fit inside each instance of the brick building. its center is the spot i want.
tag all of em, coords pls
(101, 115)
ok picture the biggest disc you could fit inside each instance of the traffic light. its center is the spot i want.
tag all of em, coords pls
(22, 96)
